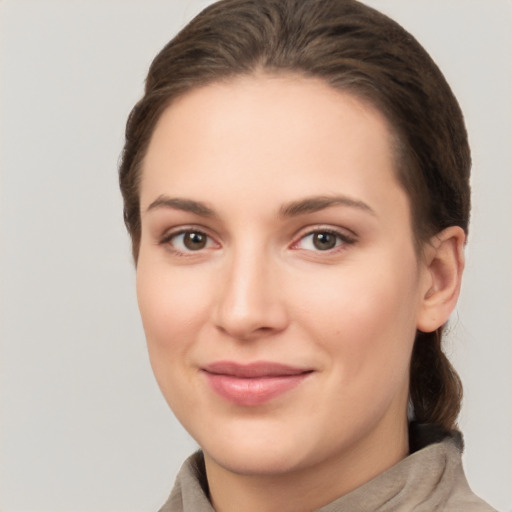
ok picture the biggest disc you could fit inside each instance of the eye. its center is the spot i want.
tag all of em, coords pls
(323, 240)
(188, 241)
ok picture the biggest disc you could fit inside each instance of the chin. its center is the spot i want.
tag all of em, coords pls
(257, 460)
(259, 449)
(263, 449)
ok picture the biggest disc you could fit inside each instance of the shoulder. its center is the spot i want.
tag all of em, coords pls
(441, 449)
(458, 496)
(461, 498)
(190, 492)
(464, 500)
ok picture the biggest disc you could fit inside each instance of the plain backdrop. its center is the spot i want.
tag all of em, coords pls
(83, 426)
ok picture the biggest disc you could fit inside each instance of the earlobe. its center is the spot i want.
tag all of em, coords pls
(444, 267)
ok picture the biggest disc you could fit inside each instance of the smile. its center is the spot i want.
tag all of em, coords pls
(253, 384)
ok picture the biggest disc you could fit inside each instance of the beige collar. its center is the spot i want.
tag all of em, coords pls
(431, 479)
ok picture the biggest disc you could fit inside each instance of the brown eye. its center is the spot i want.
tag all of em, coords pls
(323, 241)
(188, 241)
(194, 241)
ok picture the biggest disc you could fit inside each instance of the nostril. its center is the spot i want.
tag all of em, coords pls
(247, 306)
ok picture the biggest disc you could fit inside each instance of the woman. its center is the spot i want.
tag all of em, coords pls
(296, 186)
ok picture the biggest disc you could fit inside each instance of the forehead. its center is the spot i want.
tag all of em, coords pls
(268, 135)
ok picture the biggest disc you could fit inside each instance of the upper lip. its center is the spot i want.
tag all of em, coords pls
(257, 369)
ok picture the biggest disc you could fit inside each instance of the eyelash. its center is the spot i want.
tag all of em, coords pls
(342, 240)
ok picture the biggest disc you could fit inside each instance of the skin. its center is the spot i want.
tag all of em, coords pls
(261, 290)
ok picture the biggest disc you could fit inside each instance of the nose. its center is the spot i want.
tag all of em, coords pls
(250, 301)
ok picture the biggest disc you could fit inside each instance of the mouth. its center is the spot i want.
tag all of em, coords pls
(253, 384)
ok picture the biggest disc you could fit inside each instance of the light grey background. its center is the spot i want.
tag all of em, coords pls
(83, 426)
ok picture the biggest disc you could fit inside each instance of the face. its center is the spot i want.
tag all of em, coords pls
(277, 278)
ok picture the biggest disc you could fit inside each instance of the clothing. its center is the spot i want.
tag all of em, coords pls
(430, 479)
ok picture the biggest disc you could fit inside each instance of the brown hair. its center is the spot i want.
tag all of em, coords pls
(353, 48)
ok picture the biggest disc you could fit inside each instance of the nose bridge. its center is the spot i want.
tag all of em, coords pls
(249, 302)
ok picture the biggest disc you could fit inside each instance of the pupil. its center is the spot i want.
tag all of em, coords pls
(194, 241)
(324, 241)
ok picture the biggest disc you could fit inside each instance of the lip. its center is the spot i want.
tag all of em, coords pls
(252, 384)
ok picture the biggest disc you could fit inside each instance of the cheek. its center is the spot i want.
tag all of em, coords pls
(173, 305)
(173, 308)
(365, 318)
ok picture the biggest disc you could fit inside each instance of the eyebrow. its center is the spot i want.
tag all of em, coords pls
(318, 203)
(186, 205)
(293, 209)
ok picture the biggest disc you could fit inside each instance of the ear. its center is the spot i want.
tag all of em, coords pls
(444, 264)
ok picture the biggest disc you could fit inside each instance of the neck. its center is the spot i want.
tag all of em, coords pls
(312, 487)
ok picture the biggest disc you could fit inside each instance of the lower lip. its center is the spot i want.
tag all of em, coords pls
(255, 390)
